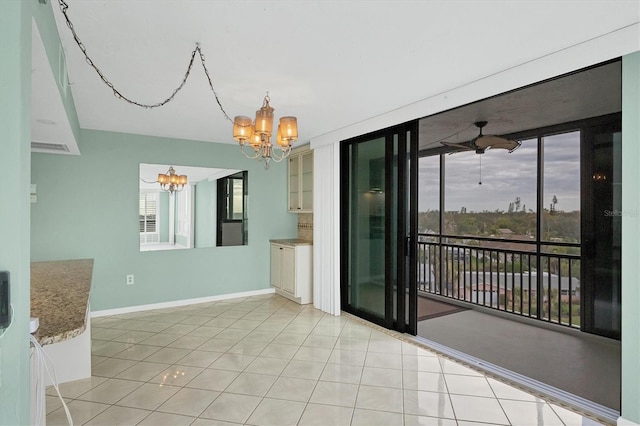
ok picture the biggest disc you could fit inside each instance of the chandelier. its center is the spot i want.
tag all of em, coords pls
(172, 182)
(258, 134)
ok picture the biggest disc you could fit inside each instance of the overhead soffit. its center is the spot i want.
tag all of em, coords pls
(590, 93)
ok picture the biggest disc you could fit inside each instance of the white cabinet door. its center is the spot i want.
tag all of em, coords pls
(288, 270)
(291, 271)
(276, 261)
(306, 182)
(294, 183)
(300, 182)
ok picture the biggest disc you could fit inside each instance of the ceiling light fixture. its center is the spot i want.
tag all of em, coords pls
(171, 182)
(258, 134)
(482, 142)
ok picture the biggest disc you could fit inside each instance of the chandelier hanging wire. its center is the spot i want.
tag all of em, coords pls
(63, 8)
(258, 134)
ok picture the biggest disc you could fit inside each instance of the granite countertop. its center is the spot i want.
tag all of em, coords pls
(60, 298)
(292, 242)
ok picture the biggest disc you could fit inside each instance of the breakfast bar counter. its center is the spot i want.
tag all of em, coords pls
(60, 298)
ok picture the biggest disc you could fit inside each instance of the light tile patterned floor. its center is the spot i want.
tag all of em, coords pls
(264, 360)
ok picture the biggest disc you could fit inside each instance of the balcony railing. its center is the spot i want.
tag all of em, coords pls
(520, 277)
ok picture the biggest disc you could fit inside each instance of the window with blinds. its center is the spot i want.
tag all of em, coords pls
(149, 233)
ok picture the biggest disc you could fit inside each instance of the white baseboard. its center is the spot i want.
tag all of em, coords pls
(625, 422)
(176, 303)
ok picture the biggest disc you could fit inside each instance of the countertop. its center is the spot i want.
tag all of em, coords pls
(292, 242)
(60, 298)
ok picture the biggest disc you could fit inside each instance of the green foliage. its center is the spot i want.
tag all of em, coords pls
(429, 221)
(556, 226)
(502, 298)
(563, 226)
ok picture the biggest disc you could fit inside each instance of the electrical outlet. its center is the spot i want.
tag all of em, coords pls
(130, 279)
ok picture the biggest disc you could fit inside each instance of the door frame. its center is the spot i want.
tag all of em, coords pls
(404, 252)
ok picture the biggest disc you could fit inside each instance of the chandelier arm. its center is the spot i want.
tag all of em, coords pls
(284, 154)
(251, 157)
(64, 6)
(277, 158)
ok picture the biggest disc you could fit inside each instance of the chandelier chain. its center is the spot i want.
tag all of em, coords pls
(64, 6)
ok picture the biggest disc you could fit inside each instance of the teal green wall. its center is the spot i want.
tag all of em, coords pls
(15, 136)
(205, 214)
(163, 214)
(80, 214)
(16, 20)
(630, 236)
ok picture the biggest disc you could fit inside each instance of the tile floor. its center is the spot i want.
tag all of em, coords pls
(264, 360)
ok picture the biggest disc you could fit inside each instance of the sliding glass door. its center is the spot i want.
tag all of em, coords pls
(377, 222)
(602, 229)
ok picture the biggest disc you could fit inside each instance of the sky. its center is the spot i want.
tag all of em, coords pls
(504, 177)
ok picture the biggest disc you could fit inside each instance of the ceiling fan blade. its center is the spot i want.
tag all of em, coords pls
(491, 141)
(507, 144)
(462, 146)
(485, 141)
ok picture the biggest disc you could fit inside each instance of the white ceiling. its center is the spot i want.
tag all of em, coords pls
(330, 63)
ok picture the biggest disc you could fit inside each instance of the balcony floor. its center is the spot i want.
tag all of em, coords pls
(578, 363)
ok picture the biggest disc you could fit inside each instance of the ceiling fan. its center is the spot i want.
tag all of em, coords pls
(481, 143)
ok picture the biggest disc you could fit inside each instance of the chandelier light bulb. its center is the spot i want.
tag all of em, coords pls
(289, 128)
(242, 128)
(256, 141)
(280, 140)
(264, 118)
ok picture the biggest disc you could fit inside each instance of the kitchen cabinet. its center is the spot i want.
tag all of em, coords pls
(291, 272)
(300, 176)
